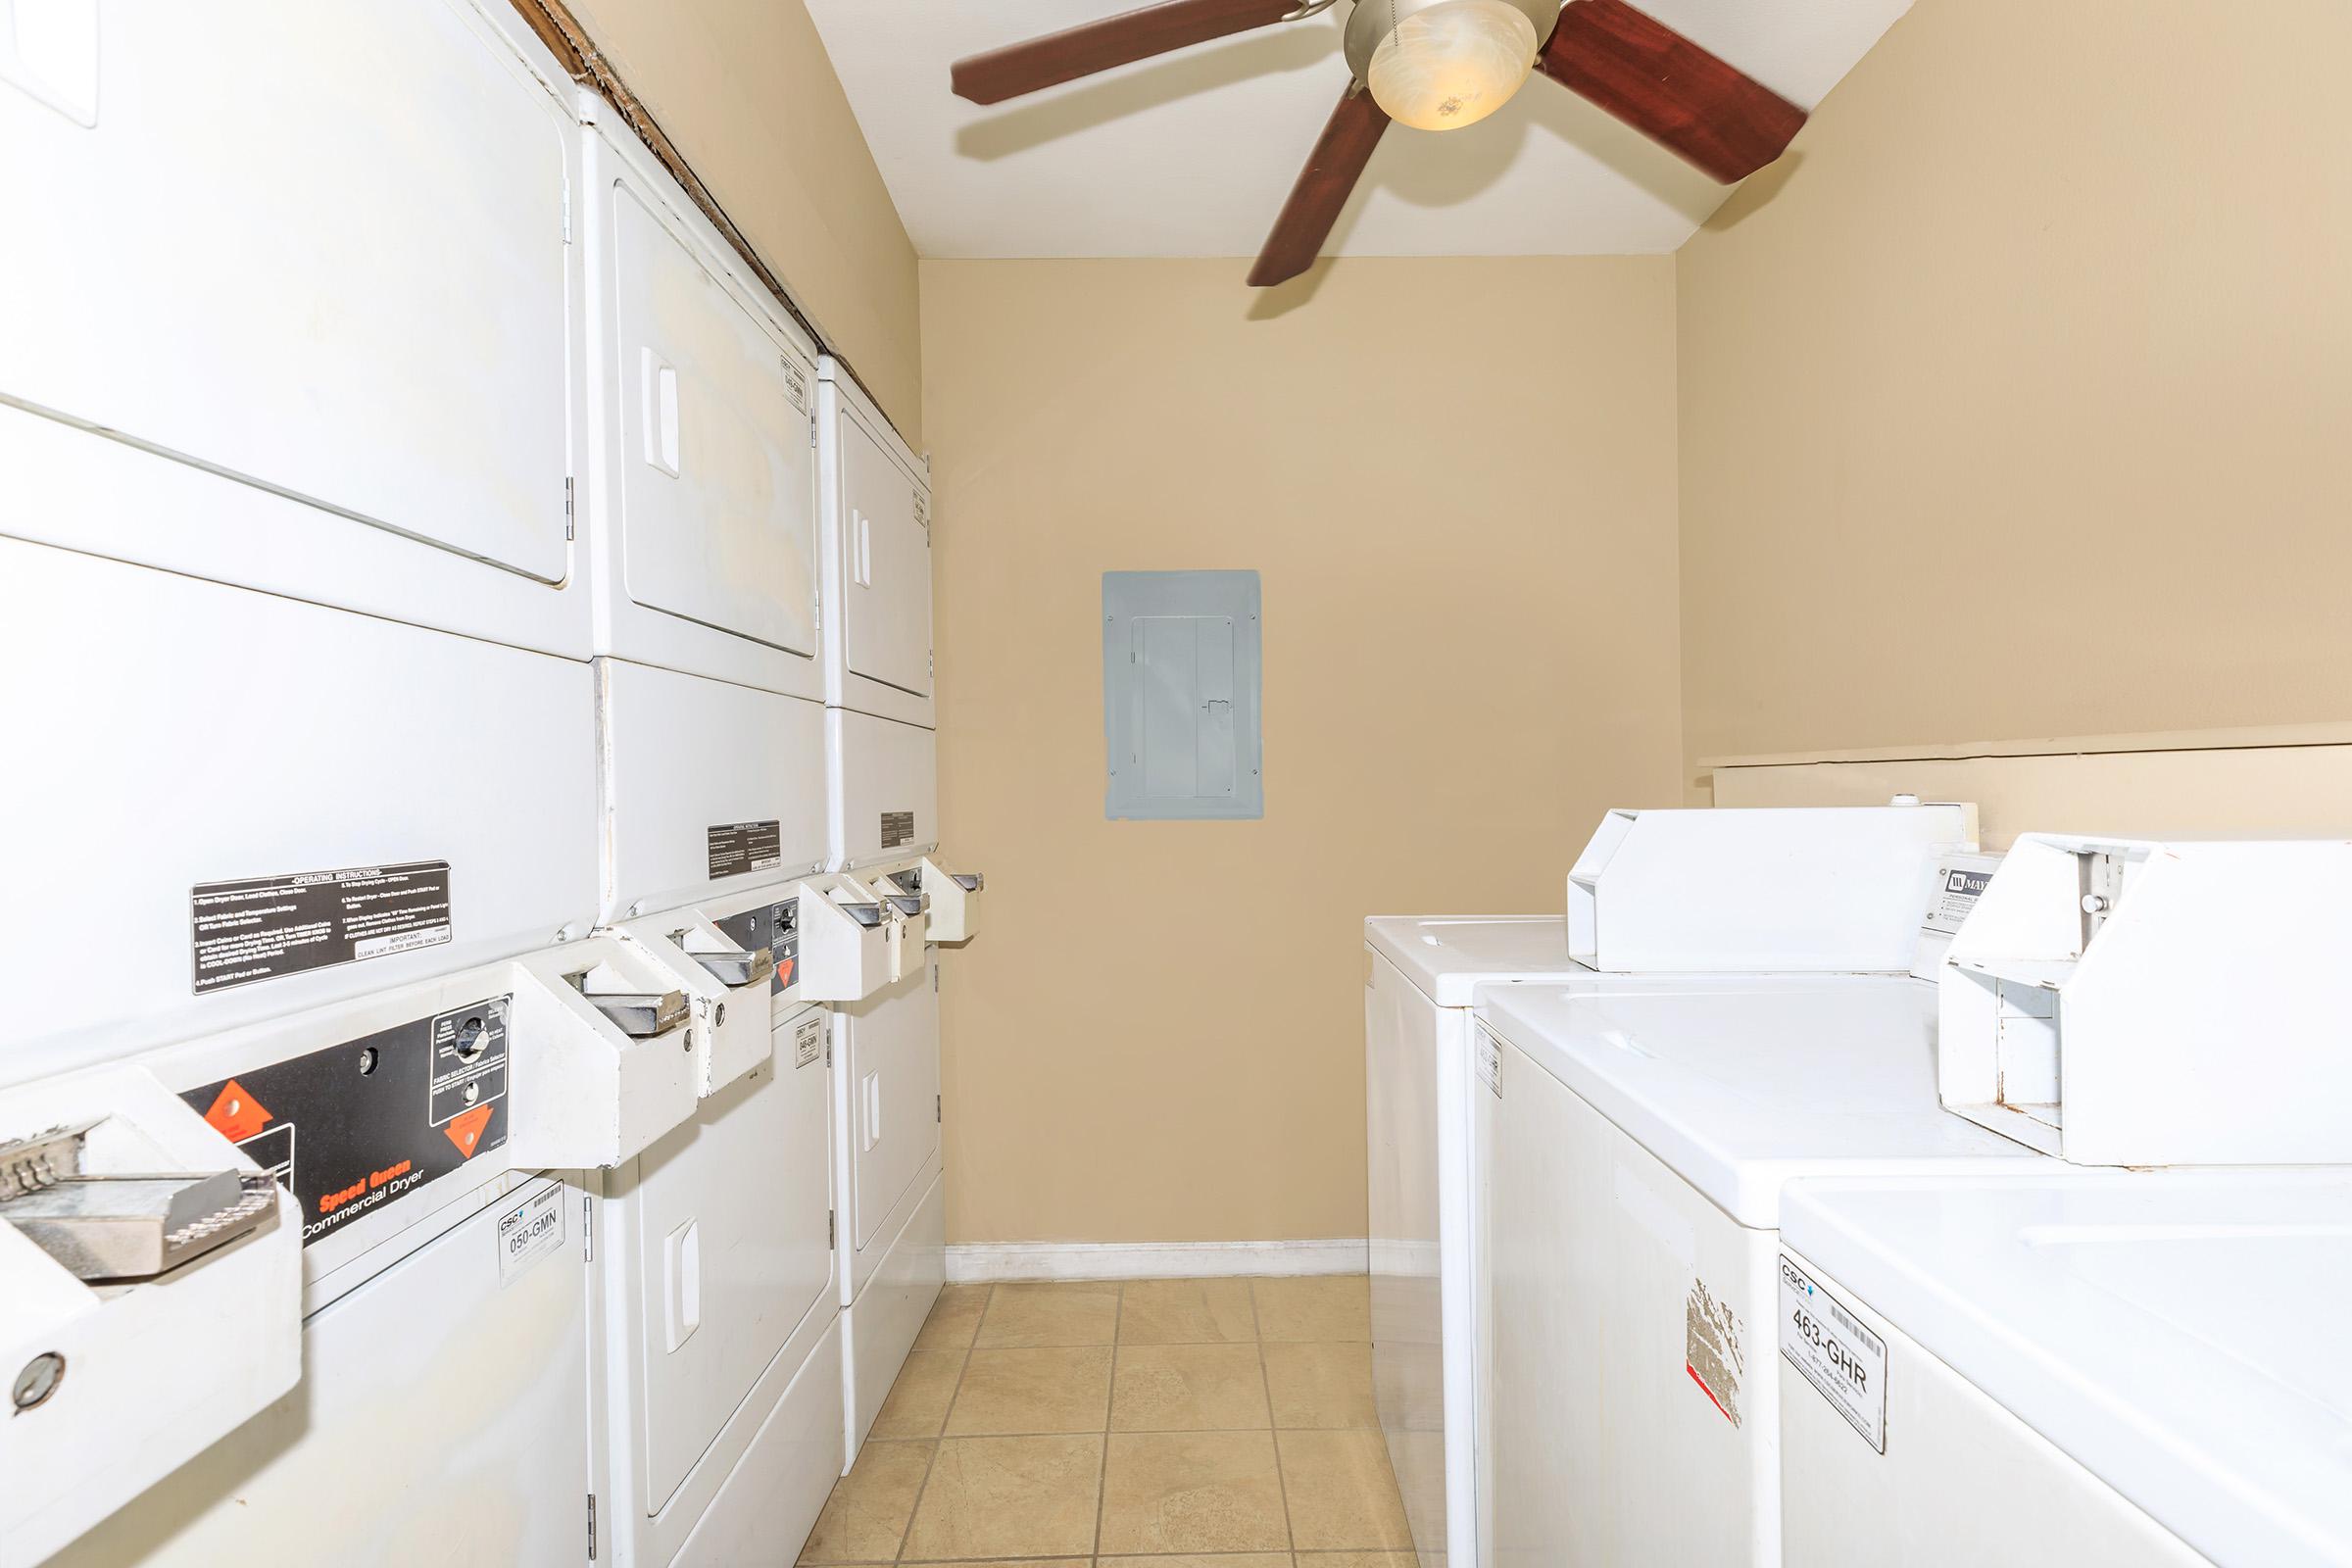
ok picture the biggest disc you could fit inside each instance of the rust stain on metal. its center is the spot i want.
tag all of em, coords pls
(1712, 1352)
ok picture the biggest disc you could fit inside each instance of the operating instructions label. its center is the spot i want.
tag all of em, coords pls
(739, 847)
(898, 827)
(267, 927)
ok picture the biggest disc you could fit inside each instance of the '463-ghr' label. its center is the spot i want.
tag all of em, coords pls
(1836, 1353)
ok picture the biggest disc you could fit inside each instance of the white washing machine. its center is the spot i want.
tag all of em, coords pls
(1792, 890)
(2107, 1371)
(1639, 1149)
(445, 1337)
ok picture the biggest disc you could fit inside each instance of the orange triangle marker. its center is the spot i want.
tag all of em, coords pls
(235, 1114)
(466, 1129)
(784, 971)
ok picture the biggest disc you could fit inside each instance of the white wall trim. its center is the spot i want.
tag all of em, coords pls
(1145, 1261)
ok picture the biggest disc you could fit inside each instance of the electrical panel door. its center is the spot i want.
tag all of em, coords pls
(886, 555)
(713, 469)
(732, 1254)
(894, 1093)
(320, 250)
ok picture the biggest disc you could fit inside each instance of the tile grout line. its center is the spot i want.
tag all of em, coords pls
(907, 1529)
(1111, 1401)
(1282, 1484)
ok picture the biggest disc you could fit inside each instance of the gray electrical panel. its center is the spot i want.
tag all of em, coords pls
(1180, 695)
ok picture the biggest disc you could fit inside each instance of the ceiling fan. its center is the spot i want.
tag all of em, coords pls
(1433, 64)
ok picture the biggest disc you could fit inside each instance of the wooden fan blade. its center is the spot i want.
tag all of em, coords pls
(1093, 46)
(1331, 173)
(1669, 88)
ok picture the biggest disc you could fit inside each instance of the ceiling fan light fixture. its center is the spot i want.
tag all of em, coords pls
(1452, 64)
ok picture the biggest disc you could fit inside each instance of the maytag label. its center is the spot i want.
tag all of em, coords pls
(265, 927)
(1834, 1353)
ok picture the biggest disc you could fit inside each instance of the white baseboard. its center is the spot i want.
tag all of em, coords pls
(1149, 1260)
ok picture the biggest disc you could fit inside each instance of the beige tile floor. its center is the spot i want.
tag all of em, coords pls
(1160, 1423)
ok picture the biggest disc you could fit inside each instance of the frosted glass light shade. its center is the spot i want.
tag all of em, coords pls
(1452, 65)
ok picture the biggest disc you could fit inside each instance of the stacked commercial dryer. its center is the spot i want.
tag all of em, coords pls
(412, 615)
(718, 1388)
(888, 895)
(302, 876)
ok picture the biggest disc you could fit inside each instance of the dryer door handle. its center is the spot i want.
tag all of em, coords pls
(682, 1283)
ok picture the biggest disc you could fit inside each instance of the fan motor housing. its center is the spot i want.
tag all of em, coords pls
(1374, 19)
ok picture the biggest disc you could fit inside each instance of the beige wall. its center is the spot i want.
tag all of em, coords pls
(2020, 405)
(745, 92)
(1457, 480)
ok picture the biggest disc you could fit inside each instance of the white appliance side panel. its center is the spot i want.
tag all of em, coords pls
(1636, 1416)
(890, 1309)
(886, 555)
(1962, 1482)
(729, 1219)
(770, 1501)
(1402, 1051)
(244, 736)
(693, 769)
(377, 311)
(885, 783)
(892, 1068)
(437, 1421)
(706, 503)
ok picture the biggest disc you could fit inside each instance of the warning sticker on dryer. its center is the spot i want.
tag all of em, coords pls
(267, 927)
(735, 847)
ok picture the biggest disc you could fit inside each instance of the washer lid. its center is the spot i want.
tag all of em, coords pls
(1741, 1090)
(2180, 1333)
(1449, 955)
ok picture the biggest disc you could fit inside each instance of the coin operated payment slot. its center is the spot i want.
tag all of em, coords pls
(724, 986)
(2128, 1002)
(846, 938)
(150, 1298)
(907, 908)
(955, 901)
(603, 1048)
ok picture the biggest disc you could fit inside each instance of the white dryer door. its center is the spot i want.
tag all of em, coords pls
(732, 1254)
(894, 1093)
(437, 1421)
(886, 550)
(717, 472)
(321, 247)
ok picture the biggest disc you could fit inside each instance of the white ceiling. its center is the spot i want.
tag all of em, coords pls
(1192, 153)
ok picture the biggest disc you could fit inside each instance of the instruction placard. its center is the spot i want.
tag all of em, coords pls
(735, 847)
(1834, 1353)
(267, 927)
(898, 827)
